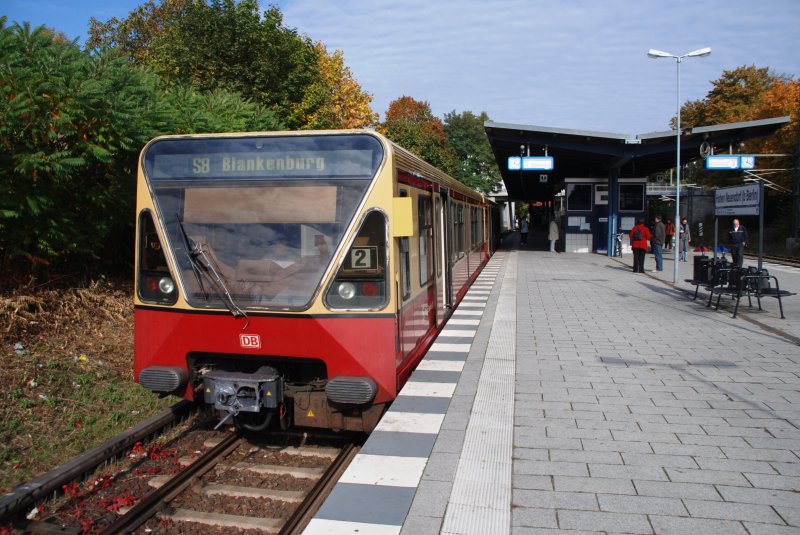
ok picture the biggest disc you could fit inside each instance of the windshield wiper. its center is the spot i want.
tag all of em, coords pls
(190, 246)
(199, 259)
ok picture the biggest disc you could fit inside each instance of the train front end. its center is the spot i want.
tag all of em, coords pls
(263, 284)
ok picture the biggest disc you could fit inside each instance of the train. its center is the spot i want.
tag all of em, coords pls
(296, 278)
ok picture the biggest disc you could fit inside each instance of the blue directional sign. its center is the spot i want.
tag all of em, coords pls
(729, 162)
(530, 163)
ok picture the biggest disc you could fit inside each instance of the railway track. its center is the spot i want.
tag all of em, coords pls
(235, 476)
(783, 260)
(199, 481)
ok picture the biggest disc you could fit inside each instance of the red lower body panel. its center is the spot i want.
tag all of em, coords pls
(356, 345)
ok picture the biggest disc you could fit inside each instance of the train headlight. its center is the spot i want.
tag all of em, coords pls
(346, 290)
(166, 285)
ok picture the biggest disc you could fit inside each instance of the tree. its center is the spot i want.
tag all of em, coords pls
(192, 111)
(411, 124)
(219, 44)
(732, 99)
(70, 125)
(746, 94)
(476, 167)
(335, 100)
(71, 128)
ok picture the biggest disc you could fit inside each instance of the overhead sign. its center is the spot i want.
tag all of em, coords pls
(727, 162)
(530, 163)
(738, 200)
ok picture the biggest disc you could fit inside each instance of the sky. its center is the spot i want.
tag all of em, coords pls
(573, 64)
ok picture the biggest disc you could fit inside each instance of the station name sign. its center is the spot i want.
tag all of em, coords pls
(728, 162)
(530, 163)
(738, 200)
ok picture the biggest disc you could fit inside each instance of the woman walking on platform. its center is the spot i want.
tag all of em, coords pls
(639, 235)
(669, 228)
(685, 238)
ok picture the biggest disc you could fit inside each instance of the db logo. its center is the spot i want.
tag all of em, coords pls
(250, 341)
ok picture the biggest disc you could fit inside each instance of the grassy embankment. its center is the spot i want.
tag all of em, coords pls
(66, 376)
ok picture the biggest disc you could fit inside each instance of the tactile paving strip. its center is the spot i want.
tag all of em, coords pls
(480, 501)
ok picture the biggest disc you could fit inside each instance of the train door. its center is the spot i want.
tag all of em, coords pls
(444, 217)
(438, 245)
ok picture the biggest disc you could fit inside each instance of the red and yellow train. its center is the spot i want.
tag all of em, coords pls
(296, 276)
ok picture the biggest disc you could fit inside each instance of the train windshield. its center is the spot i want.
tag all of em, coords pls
(256, 220)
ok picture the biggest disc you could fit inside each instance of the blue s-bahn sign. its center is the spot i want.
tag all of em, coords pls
(530, 163)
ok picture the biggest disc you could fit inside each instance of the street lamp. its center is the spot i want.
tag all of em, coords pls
(655, 54)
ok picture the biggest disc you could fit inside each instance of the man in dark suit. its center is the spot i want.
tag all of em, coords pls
(737, 240)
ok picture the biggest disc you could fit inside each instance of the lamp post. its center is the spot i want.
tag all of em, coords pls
(655, 54)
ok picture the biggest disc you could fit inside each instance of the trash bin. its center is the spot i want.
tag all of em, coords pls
(702, 268)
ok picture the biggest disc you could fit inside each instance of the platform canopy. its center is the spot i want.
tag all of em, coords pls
(588, 154)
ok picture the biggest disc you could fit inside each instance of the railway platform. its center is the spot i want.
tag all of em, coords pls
(570, 395)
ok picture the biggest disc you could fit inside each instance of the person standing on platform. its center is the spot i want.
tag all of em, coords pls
(669, 228)
(659, 234)
(639, 235)
(552, 234)
(737, 240)
(684, 239)
(523, 231)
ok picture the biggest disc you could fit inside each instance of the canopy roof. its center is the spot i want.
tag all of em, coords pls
(587, 154)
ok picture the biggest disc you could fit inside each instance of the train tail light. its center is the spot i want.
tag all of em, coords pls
(369, 289)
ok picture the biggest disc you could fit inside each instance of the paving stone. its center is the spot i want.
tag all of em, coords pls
(649, 473)
(671, 489)
(713, 477)
(678, 461)
(554, 499)
(533, 517)
(669, 525)
(769, 529)
(732, 511)
(603, 521)
(641, 505)
(761, 496)
(593, 484)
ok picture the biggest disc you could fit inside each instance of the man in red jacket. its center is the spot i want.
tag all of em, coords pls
(639, 235)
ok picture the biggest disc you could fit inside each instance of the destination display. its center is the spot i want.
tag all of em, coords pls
(330, 163)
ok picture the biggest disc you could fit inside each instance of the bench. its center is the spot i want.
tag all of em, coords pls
(730, 280)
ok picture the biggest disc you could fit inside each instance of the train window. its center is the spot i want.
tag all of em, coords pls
(459, 230)
(156, 284)
(473, 227)
(267, 212)
(480, 212)
(426, 253)
(361, 280)
(405, 269)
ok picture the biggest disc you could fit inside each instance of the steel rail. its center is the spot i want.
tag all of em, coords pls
(299, 518)
(28, 494)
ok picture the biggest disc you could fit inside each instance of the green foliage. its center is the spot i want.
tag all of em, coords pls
(476, 167)
(219, 44)
(72, 124)
(215, 111)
